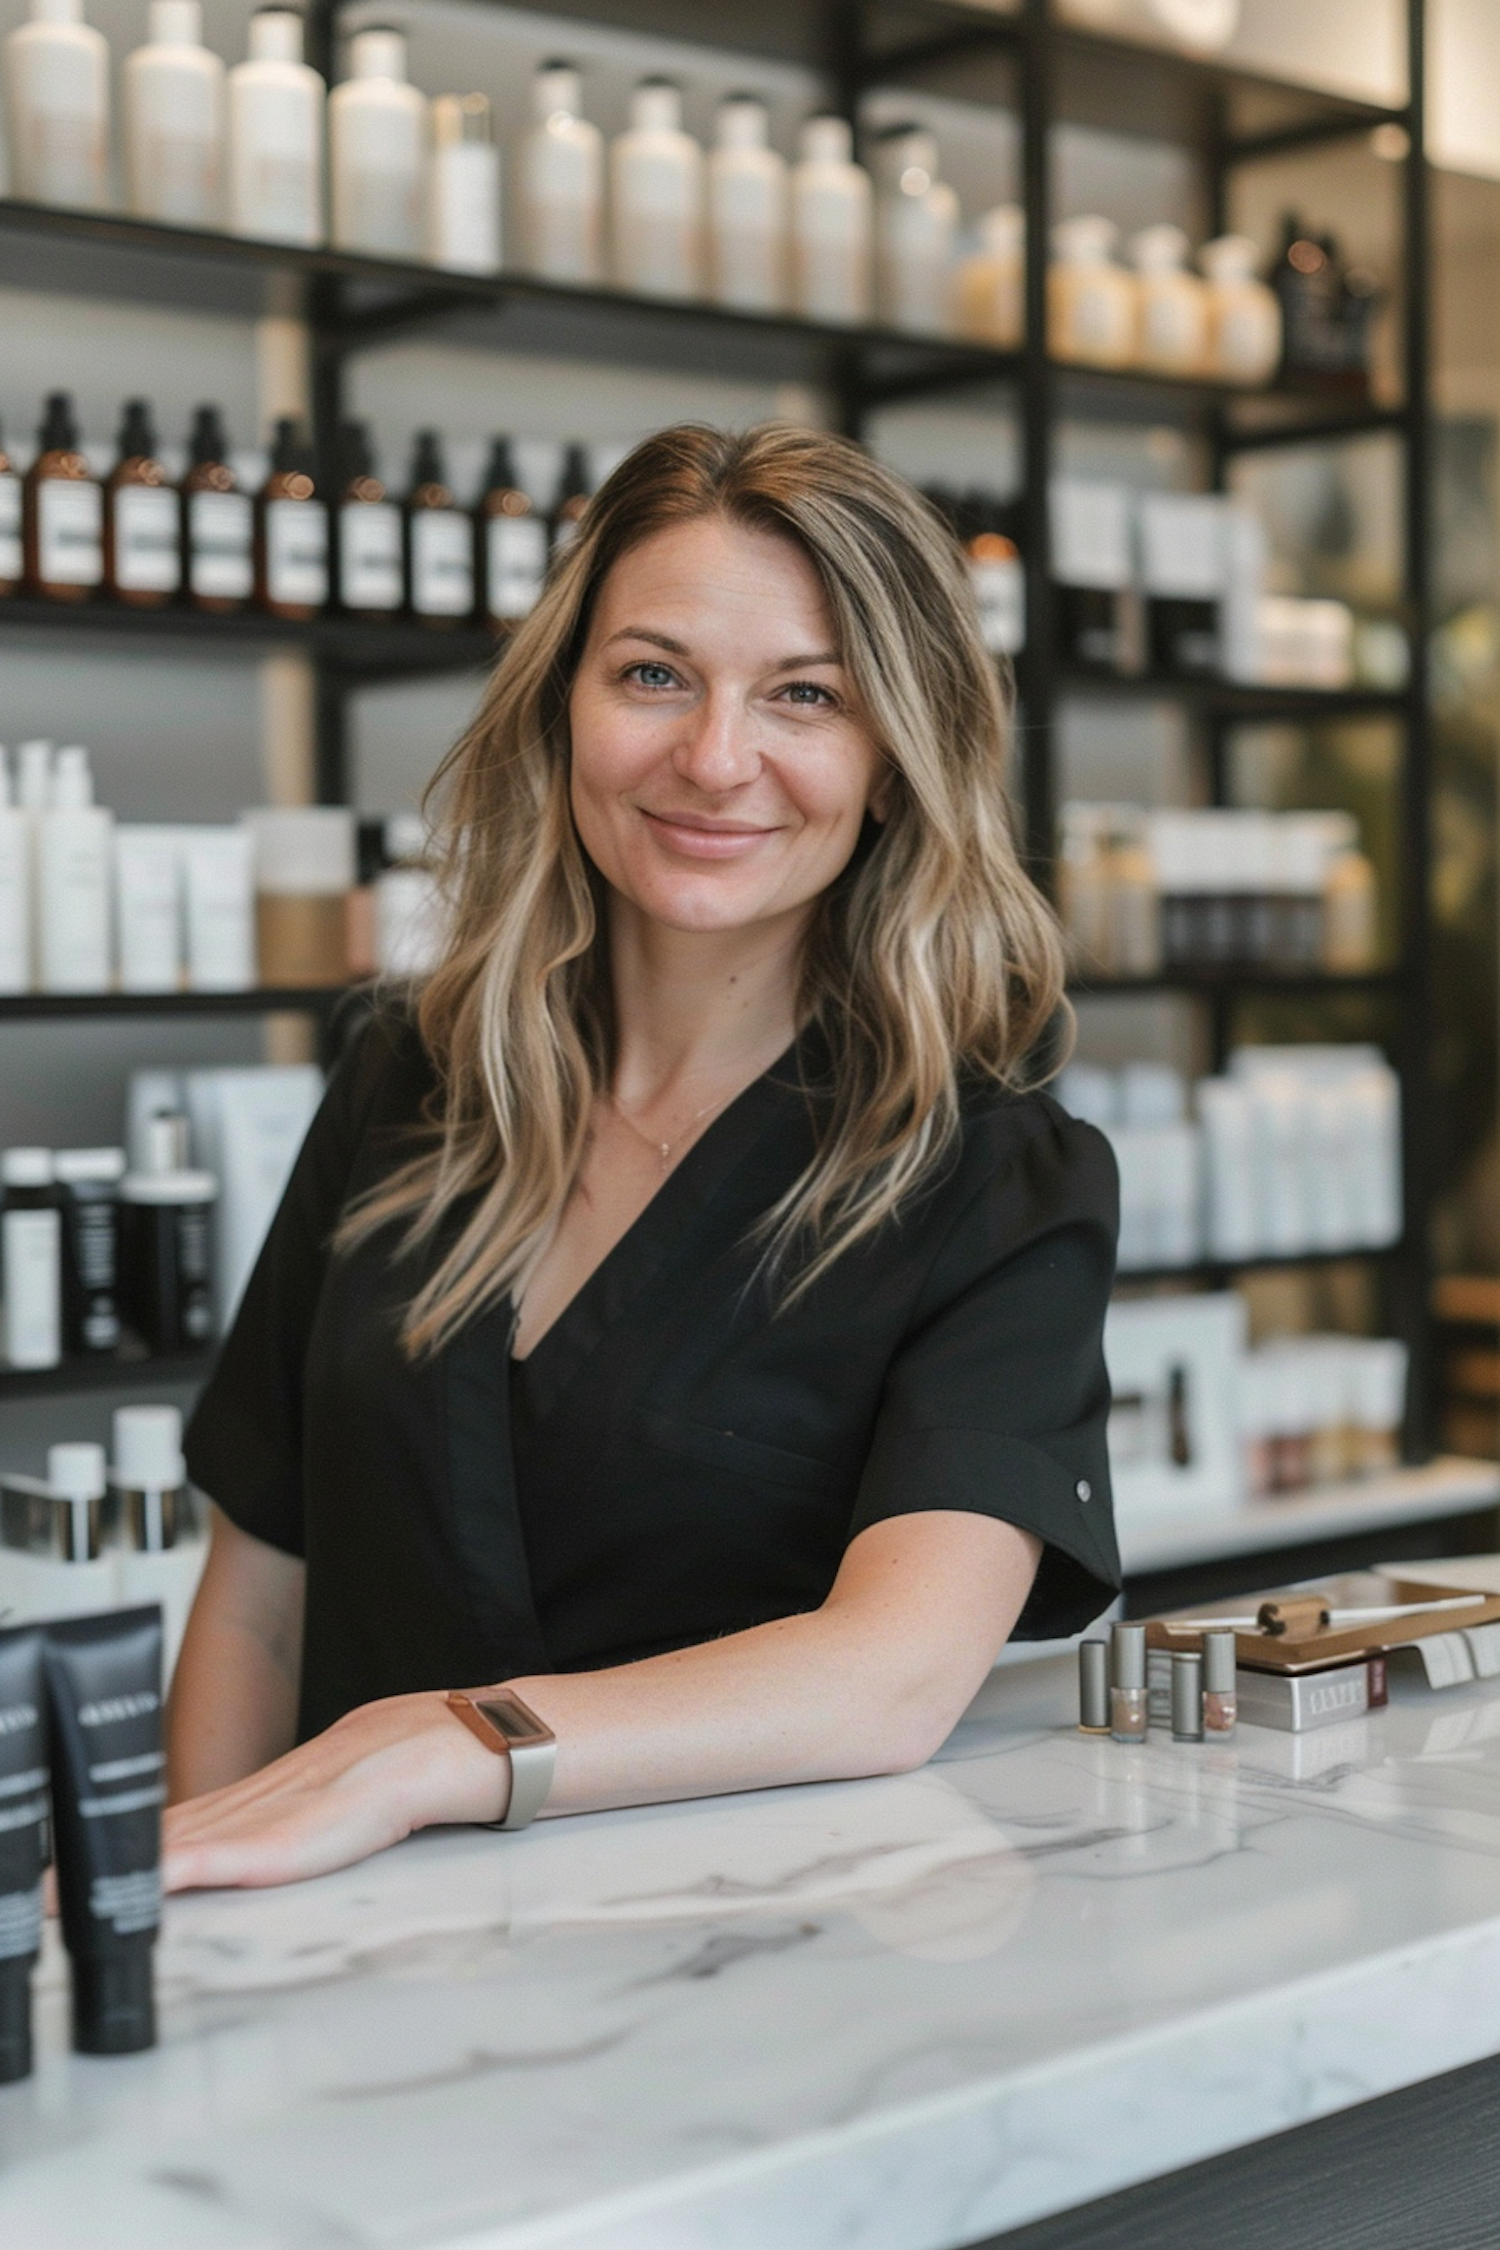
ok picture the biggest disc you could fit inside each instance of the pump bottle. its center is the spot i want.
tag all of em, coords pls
(831, 225)
(75, 866)
(62, 511)
(656, 197)
(291, 546)
(511, 546)
(1091, 301)
(1244, 317)
(1171, 304)
(218, 522)
(439, 540)
(57, 108)
(275, 167)
(174, 120)
(368, 532)
(747, 210)
(916, 224)
(142, 518)
(560, 182)
(31, 1258)
(15, 888)
(990, 287)
(463, 186)
(377, 150)
(573, 495)
(12, 562)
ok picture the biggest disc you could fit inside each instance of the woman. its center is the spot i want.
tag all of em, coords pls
(687, 1324)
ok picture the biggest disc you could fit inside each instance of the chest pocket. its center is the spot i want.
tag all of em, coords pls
(749, 1457)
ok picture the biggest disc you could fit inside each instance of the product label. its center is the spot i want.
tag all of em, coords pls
(297, 553)
(147, 559)
(21, 1912)
(442, 563)
(370, 575)
(10, 529)
(515, 563)
(1000, 595)
(221, 531)
(70, 533)
(278, 195)
(31, 1254)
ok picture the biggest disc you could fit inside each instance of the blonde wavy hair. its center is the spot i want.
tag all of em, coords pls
(932, 959)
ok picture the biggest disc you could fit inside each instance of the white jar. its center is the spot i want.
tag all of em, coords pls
(1091, 301)
(832, 225)
(377, 147)
(656, 197)
(276, 104)
(174, 120)
(916, 225)
(1244, 317)
(747, 210)
(1171, 304)
(57, 107)
(463, 186)
(990, 288)
(560, 182)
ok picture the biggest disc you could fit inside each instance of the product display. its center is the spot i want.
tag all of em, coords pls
(12, 554)
(1220, 1697)
(1091, 301)
(656, 197)
(378, 132)
(990, 284)
(74, 881)
(439, 539)
(916, 226)
(833, 226)
(275, 128)
(166, 1260)
(511, 546)
(747, 210)
(173, 91)
(1318, 1410)
(1244, 316)
(463, 186)
(218, 522)
(57, 107)
(88, 1194)
(142, 521)
(63, 511)
(1187, 1696)
(23, 1840)
(560, 182)
(15, 887)
(1127, 1683)
(304, 872)
(291, 546)
(1172, 304)
(574, 488)
(246, 1128)
(1093, 1687)
(31, 1258)
(1327, 310)
(369, 536)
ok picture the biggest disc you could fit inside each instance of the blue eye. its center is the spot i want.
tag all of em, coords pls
(651, 675)
(807, 694)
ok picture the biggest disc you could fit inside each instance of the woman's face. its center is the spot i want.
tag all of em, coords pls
(721, 766)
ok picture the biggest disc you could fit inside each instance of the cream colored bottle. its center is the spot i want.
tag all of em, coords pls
(916, 226)
(656, 197)
(747, 210)
(377, 151)
(57, 107)
(275, 160)
(1171, 304)
(1091, 301)
(1244, 316)
(990, 285)
(560, 182)
(174, 121)
(832, 225)
(463, 186)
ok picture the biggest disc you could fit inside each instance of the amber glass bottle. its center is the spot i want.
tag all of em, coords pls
(368, 532)
(510, 543)
(12, 564)
(218, 522)
(62, 513)
(291, 543)
(572, 499)
(142, 521)
(439, 541)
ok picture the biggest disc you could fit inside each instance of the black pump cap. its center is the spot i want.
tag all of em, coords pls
(427, 459)
(574, 483)
(137, 440)
(355, 456)
(59, 430)
(15, 2020)
(114, 2003)
(500, 473)
(290, 449)
(206, 440)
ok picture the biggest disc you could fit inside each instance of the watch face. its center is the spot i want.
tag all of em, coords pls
(513, 1720)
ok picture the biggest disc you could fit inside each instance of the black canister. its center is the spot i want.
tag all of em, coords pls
(166, 1243)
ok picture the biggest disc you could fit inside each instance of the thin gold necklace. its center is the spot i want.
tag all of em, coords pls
(662, 1150)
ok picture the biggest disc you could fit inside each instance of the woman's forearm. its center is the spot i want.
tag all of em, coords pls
(233, 1705)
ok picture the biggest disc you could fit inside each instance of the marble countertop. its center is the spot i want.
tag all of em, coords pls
(890, 2015)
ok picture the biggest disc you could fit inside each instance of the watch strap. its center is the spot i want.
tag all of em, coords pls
(510, 1728)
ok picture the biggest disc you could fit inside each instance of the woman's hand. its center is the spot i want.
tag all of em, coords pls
(375, 1776)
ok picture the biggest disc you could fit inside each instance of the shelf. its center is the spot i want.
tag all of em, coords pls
(120, 1372)
(1209, 1272)
(260, 1000)
(390, 647)
(1446, 1487)
(1317, 984)
(1235, 699)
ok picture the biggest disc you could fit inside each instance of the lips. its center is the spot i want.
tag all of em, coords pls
(689, 836)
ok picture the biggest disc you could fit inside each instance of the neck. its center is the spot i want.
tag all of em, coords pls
(695, 1009)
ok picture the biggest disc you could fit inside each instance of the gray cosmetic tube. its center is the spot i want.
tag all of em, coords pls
(104, 1690)
(23, 1831)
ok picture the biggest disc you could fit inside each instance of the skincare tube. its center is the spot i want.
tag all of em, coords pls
(23, 1827)
(104, 1692)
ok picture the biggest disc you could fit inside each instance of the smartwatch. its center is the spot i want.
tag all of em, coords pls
(505, 1725)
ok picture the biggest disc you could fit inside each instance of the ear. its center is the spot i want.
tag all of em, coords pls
(882, 795)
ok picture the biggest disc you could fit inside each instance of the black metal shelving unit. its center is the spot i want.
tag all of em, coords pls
(1046, 72)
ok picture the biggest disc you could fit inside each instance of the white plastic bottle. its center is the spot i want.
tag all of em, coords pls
(31, 1258)
(990, 286)
(463, 186)
(174, 120)
(15, 888)
(656, 197)
(275, 167)
(75, 861)
(377, 150)
(747, 210)
(916, 225)
(832, 225)
(57, 106)
(1171, 336)
(1244, 316)
(560, 182)
(1091, 301)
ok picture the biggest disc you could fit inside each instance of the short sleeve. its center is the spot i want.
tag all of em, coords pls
(244, 1442)
(998, 1401)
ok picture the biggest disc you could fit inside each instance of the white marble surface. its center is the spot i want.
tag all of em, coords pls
(892, 2015)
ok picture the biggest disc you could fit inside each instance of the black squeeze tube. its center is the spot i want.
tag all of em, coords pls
(104, 1693)
(23, 1828)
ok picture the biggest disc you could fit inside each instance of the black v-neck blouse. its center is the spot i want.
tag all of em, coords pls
(677, 1458)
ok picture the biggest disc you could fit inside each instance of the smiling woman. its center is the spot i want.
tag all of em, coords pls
(683, 1323)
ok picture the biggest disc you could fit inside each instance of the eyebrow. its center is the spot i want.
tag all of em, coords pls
(679, 648)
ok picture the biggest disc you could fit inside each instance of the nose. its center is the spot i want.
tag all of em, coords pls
(716, 751)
